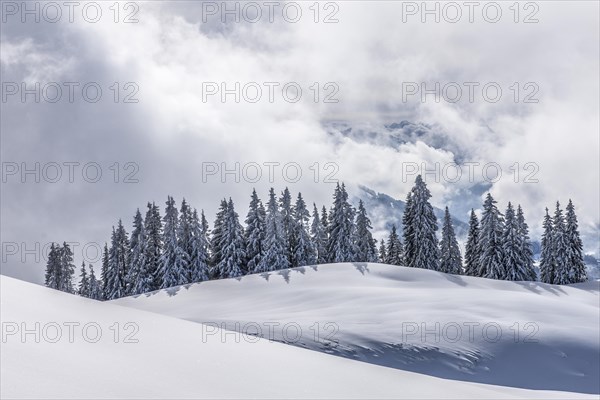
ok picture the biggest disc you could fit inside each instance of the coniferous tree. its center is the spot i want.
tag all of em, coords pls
(104, 272)
(394, 249)
(274, 258)
(421, 237)
(318, 236)
(217, 239)
(451, 259)
(199, 254)
(288, 228)
(233, 246)
(526, 248)
(472, 248)
(255, 233)
(490, 243)
(341, 221)
(67, 269)
(407, 229)
(560, 247)
(574, 255)
(151, 279)
(365, 247)
(95, 287)
(547, 260)
(513, 248)
(382, 253)
(53, 268)
(173, 262)
(304, 252)
(185, 241)
(118, 263)
(135, 271)
(84, 282)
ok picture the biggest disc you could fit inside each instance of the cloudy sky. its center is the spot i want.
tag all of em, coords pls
(516, 85)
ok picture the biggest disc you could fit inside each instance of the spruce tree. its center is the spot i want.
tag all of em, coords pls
(173, 262)
(185, 241)
(217, 240)
(421, 240)
(104, 274)
(547, 260)
(526, 248)
(274, 258)
(304, 252)
(394, 249)
(490, 243)
(199, 254)
(574, 254)
(407, 230)
(118, 263)
(233, 246)
(95, 285)
(288, 228)
(67, 269)
(150, 278)
(560, 247)
(84, 282)
(137, 254)
(364, 245)
(450, 257)
(53, 268)
(255, 233)
(382, 253)
(318, 236)
(513, 249)
(472, 249)
(341, 221)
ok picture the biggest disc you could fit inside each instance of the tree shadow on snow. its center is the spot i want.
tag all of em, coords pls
(361, 267)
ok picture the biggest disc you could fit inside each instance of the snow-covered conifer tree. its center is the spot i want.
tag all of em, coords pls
(512, 249)
(255, 233)
(450, 257)
(304, 252)
(67, 269)
(95, 288)
(394, 249)
(274, 258)
(526, 249)
(560, 247)
(151, 279)
(472, 247)
(382, 252)
(84, 282)
(217, 240)
(185, 240)
(118, 263)
(365, 246)
(233, 246)
(341, 221)
(288, 228)
(574, 256)
(199, 256)
(136, 266)
(421, 229)
(491, 264)
(318, 236)
(53, 268)
(104, 274)
(547, 260)
(173, 262)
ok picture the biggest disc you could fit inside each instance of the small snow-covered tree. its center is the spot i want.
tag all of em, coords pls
(150, 278)
(560, 248)
(199, 253)
(84, 282)
(472, 247)
(304, 252)
(408, 230)
(490, 244)
(95, 285)
(185, 241)
(526, 249)
(255, 233)
(513, 249)
(421, 230)
(53, 268)
(104, 274)
(365, 247)
(574, 256)
(547, 260)
(67, 269)
(274, 258)
(394, 249)
(233, 246)
(287, 225)
(135, 271)
(450, 257)
(173, 262)
(118, 263)
(318, 236)
(382, 252)
(217, 240)
(341, 220)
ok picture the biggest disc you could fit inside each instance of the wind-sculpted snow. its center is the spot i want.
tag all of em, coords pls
(520, 334)
(138, 354)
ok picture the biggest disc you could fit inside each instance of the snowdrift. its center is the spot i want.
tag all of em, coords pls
(519, 334)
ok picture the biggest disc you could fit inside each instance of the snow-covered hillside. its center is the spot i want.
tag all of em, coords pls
(163, 357)
(518, 334)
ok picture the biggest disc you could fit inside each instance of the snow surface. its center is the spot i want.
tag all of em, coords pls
(174, 358)
(387, 315)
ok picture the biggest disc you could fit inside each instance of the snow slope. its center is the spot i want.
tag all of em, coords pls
(173, 358)
(519, 334)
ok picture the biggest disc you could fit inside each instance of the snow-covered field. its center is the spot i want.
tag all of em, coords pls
(374, 313)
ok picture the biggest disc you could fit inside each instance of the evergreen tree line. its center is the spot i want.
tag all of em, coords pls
(180, 248)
